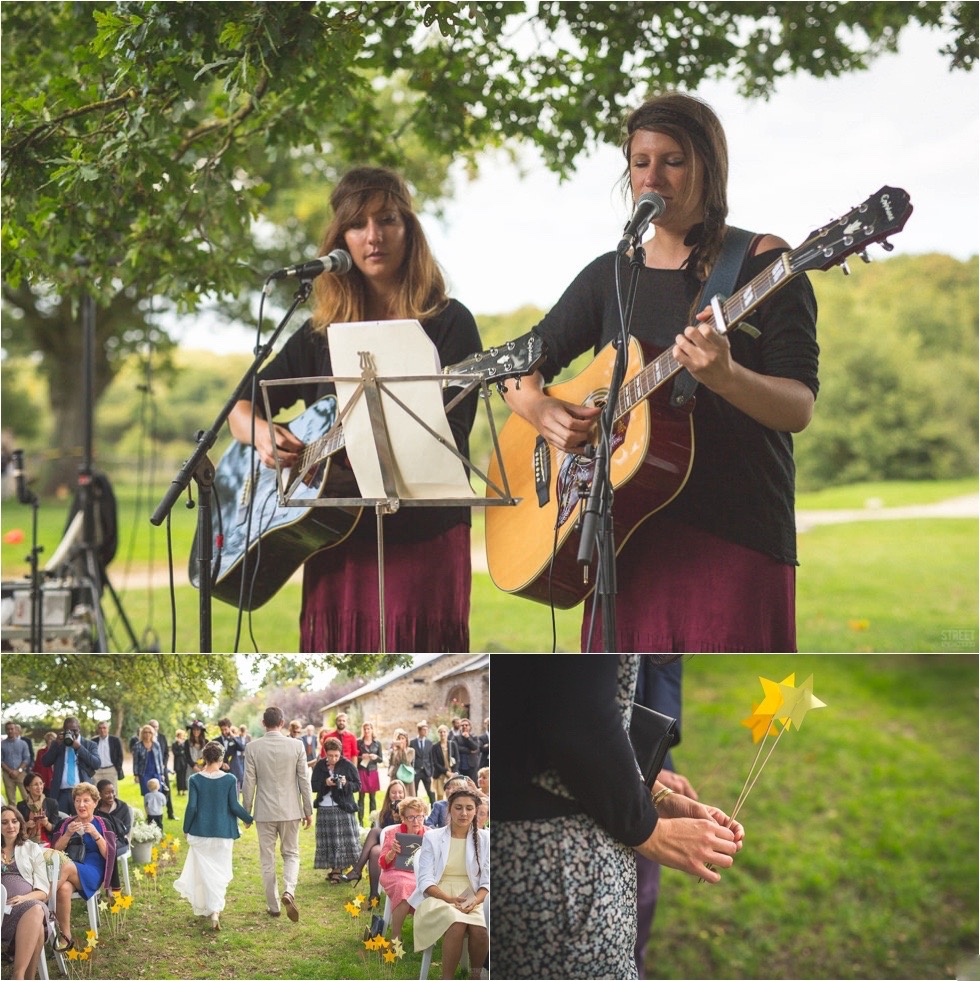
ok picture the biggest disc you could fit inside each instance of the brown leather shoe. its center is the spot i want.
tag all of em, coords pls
(291, 911)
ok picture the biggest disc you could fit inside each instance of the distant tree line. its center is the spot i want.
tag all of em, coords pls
(898, 383)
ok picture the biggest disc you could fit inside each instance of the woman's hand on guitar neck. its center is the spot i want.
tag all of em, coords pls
(565, 425)
(240, 424)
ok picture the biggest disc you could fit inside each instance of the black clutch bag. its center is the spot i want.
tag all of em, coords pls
(652, 734)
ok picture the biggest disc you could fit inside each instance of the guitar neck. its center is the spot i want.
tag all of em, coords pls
(317, 449)
(735, 309)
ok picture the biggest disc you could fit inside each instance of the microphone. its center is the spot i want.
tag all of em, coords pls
(338, 262)
(24, 495)
(650, 205)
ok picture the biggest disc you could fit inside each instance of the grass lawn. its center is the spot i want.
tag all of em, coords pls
(860, 858)
(861, 586)
(161, 937)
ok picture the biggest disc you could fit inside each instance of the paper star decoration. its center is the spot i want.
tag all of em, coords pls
(389, 957)
(800, 700)
(774, 699)
(761, 725)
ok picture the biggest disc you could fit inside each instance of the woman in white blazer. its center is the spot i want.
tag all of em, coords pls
(452, 875)
(25, 878)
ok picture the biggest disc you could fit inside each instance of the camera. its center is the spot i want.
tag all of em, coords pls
(69, 737)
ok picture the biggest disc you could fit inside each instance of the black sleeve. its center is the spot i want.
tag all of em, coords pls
(578, 731)
(787, 347)
(574, 323)
(304, 354)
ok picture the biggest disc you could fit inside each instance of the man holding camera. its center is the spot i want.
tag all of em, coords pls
(73, 760)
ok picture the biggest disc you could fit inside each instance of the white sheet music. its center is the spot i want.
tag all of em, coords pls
(424, 469)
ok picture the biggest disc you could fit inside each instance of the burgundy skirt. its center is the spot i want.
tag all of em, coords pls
(427, 596)
(681, 589)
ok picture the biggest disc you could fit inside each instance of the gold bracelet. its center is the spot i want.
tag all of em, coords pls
(660, 795)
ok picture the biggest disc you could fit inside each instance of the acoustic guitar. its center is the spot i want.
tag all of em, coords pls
(532, 547)
(281, 538)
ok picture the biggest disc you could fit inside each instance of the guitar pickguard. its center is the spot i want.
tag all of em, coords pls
(575, 474)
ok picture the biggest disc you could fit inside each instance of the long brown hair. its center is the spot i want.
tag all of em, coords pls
(421, 292)
(694, 125)
(21, 823)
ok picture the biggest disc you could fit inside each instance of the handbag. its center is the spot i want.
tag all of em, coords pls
(405, 773)
(75, 849)
(652, 734)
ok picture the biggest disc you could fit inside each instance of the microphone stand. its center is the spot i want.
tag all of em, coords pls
(200, 469)
(27, 496)
(598, 533)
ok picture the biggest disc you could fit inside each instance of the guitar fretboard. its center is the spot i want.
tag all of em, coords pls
(735, 310)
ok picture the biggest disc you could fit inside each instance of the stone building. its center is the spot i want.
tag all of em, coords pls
(435, 688)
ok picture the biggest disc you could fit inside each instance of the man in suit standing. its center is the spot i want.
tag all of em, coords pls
(423, 759)
(276, 780)
(165, 777)
(73, 760)
(234, 747)
(110, 756)
(469, 750)
(311, 745)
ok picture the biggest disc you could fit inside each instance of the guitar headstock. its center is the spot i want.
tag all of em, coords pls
(881, 215)
(511, 360)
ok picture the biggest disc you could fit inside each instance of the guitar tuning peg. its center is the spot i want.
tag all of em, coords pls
(864, 255)
(887, 246)
(844, 269)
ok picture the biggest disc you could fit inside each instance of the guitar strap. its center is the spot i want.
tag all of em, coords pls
(721, 279)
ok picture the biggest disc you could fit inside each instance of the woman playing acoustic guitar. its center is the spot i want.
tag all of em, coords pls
(426, 550)
(713, 569)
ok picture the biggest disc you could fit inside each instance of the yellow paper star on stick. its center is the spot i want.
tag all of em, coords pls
(802, 701)
(774, 698)
(761, 725)
(781, 697)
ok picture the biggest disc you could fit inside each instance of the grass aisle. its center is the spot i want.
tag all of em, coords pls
(163, 939)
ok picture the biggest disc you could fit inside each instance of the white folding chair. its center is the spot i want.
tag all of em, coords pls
(54, 868)
(92, 903)
(122, 862)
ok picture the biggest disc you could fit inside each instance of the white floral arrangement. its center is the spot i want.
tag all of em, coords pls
(143, 830)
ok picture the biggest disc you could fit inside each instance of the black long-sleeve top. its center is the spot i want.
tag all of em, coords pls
(561, 713)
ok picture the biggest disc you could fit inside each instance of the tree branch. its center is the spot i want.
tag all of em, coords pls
(231, 122)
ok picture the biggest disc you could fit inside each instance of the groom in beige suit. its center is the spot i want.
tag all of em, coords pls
(276, 776)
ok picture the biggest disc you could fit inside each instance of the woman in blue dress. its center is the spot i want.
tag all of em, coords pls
(86, 872)
(148, 760)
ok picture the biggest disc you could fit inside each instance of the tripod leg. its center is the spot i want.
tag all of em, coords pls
(133, 642)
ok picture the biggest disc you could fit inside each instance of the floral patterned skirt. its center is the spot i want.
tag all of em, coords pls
(564, 901)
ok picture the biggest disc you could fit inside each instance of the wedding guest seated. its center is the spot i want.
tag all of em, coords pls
(398, 883)
(371, 849)
(25, 880)
(119, 816)
(453, 878)
(439, 817)
(90, 845)
(39, 811)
